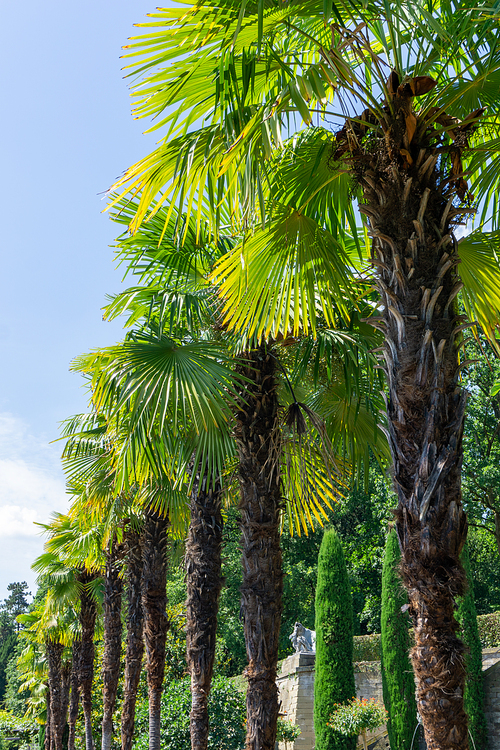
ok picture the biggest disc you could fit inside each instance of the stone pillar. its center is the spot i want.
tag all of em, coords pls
(491, 676)
(296, 693)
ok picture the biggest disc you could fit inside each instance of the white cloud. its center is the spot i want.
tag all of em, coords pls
(31, 488)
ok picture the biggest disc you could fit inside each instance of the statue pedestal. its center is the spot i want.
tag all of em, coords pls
(296, 692)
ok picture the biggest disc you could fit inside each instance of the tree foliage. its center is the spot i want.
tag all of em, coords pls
(226, 715)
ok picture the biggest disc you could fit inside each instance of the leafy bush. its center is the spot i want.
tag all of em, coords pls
(367, 647)
(489, 629)
(226, 710)
(357, 716)
(287, 731)
(13, 726)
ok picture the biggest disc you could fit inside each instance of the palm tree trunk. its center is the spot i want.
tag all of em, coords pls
(135, 643)
(54, 652)
(416, 258)
(203, 571)
(74, 695)
(112, 641)
(88, 613)
(154, 603)
(48, 731)
(257, 437)
(66, 671)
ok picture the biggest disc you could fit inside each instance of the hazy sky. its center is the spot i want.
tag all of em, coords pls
(66, 133)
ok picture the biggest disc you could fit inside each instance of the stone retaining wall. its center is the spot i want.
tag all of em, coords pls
(296, 688)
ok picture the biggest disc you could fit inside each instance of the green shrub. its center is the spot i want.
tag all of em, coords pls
(334, 679)
(473, 695)
(226, 710)
(398, 684)
(357, 716)
(14, 726)
(287, 731)
(489, 629)
(367, 647)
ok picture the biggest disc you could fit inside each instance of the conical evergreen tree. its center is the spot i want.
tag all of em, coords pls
(397, 674)
(334, 679)
(473, 695)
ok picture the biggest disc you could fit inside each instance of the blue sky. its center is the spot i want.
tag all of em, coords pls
(66, 133)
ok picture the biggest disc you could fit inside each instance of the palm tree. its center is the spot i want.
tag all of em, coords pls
(204, 583)
(258, 440)
(113, 587)
(135, 643)
(93, 465)
(88, 462)
(174, 290)
(285, 62)
(69, 564)
(52, 626)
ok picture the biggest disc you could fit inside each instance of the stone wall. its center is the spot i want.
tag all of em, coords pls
(296, 688)
(492, 698)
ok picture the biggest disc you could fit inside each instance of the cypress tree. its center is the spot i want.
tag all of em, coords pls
(474, 693)
(334, 679)
(397, 675)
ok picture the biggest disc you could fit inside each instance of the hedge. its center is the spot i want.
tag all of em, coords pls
(367, 647)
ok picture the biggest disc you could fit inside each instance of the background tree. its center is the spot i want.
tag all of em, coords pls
(334, 675)
(481, 472)
(17, 602)
(397, 674)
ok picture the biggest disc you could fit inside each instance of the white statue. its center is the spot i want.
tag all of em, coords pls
(303, 639)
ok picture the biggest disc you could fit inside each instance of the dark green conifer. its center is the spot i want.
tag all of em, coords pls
(474, 692)
(334, 679)
(397, 675)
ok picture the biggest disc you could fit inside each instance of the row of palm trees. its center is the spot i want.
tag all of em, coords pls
(412, 91)
(176, 418)
(254, 273)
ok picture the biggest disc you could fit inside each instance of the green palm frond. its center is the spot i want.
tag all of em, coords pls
(281, 278)
(160, 379)
(479, 271)
(352, 426)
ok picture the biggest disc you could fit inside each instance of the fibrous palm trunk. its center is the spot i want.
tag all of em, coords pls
(135, 643)
(203, 573)
(408, 198)
(112, 641)
(66, 671)
(154, 602)
(54, 653)
(74, 695)
(257, 437)
(48, 732)
(87, 617)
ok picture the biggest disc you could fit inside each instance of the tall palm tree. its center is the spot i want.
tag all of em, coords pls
(135, 643)
(258, 440)
(52, 626)
(408, 90)
(113, 588)
(204, 583)
(92, 462)
(70, 565)
(174, 289)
